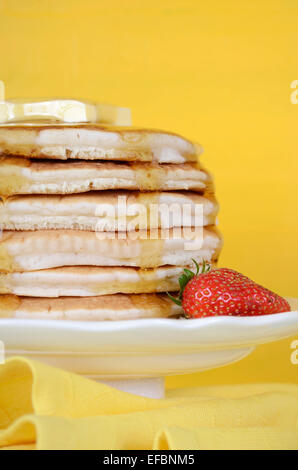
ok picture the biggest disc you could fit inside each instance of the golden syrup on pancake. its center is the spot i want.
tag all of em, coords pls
(4, 282)
(139, 211)
(148, 236)
(209, 183)
(135, 145)
(149, 279)
(149, 177)
(143, 248)
(148, 282)
(150, 252)
(115, 287)
(6, 261)
(150, 217)
(157, 305)
(12, 180)
(109, 288)
(139, 139)
(9, 305)
(133, 137)
(7, 264)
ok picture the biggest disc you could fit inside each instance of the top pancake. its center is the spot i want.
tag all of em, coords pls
(95, 142)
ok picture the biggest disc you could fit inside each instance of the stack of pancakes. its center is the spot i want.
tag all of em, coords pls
(68, 251)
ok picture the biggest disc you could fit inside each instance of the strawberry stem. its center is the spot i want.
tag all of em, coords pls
(176, 301)
(186, 276)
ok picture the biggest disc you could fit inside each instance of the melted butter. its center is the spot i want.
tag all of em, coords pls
(9, 304)
(63, 110)
(12, 180)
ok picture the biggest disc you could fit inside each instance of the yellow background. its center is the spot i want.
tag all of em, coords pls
(217, 72)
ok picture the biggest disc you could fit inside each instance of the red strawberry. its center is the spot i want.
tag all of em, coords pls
(225, 292)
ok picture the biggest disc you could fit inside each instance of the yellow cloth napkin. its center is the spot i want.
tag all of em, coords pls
(42, 407)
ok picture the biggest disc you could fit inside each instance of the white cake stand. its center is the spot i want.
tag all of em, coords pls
(136, 355)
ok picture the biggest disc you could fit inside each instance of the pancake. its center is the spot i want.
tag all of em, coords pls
(23, 176)
(95, 142)
(86, 281)
(108, 211)
(101, 308)
(31, 251)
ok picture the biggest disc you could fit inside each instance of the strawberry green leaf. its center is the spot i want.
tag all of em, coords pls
(186, 276)
(189, 273)
(197, 266)
(176, 301)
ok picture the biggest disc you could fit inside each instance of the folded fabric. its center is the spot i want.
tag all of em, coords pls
(42, 407)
